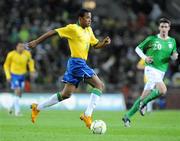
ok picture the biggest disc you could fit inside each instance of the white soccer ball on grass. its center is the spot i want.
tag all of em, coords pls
(98, 127)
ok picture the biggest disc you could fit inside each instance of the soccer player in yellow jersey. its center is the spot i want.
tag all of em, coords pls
(15, 68)
(80, 39)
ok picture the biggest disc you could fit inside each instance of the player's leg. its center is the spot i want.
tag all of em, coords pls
(54, 99)
(152, 76)
(17, 84)
(155, 84)
(159, 90)
(57, 97)
(17, 97)
(135, 106)
(133, 110)
(71, 83)
(148, 86)
(96, 92)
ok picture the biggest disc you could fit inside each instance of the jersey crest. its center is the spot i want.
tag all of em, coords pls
(170, 45)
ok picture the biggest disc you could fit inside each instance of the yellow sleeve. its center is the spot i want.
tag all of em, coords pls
(7, 65)
(93, 39)
(31, 63)
(66, 32)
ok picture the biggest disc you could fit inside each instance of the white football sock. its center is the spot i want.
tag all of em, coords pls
(16, 105)
(92, 104)
(49, 102)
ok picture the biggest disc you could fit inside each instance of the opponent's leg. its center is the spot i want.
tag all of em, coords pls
(155, 93)
(133, 110)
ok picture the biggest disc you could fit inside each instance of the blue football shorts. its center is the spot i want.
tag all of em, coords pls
(76, 71)
(17, 81)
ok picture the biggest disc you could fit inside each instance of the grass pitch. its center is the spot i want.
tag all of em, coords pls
(53, 125)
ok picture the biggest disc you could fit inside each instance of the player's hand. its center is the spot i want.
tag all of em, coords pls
(32, 44)
(174, 56)
(106, 41)
(149, 60)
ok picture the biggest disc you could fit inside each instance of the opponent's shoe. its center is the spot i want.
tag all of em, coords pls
(142, 108)
(34, 112)
(126, 121)
(86, 119)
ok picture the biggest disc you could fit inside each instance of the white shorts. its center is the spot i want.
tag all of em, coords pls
(153, 76)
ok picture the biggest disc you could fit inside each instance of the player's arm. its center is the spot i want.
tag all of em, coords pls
(43, 37)
(31, 66)
(7, 67)
(143, 56)
(174, 56)
(139, 50)
(106, 41)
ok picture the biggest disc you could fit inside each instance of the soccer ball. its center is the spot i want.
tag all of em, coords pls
(98, 127)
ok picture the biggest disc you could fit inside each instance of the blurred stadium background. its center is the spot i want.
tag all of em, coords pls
(127, 22)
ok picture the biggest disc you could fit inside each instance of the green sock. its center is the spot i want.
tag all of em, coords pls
(153, 95)
(134, 108)
(59, 96)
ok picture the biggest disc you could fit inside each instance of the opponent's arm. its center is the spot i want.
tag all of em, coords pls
(43, 37)
(106, 41)
(141, 46)
(141, 54)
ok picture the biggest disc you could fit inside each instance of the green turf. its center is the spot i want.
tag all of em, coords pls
(66, 126)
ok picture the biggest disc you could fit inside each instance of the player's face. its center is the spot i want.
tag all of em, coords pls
(20, 48)
(86, 20)
(164, 28)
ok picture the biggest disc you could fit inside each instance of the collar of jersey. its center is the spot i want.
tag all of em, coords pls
(161, 38)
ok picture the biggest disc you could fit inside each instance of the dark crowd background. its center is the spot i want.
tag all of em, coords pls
(127, 22)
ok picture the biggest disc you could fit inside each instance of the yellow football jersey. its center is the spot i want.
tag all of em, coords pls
(79, 39)
(16, 63)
